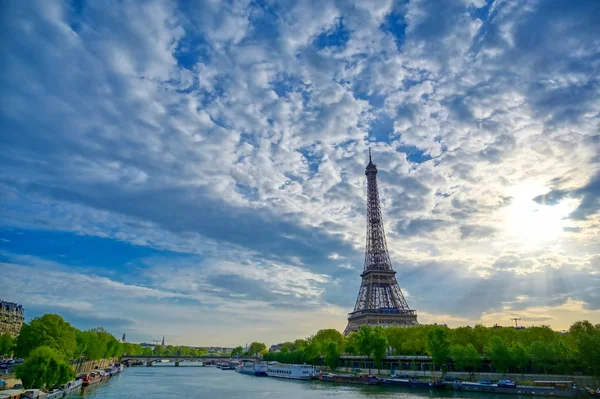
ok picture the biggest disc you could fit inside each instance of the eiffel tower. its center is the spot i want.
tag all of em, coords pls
(380, 301)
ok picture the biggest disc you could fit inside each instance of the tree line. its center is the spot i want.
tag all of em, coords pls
(506, 349)
(49, 345)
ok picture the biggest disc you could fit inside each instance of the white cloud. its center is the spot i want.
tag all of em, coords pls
(207, 130)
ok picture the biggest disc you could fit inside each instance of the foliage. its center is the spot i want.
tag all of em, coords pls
(48, 330)
(332, 354)
(520, 357)
(238, 350)
(499, 354)
(586, 337)
(438, 345)
(541, 355)
(379, 344)
(408, 341)
(465, 356)
(255, 348)
(44, 367)
(326, 344)
(7, 343)
(295, 357)
(371, 341)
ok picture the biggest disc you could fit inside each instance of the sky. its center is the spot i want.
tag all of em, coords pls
(195, 169)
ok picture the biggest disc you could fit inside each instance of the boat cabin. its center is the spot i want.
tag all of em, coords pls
(11, 394)
(556, 384)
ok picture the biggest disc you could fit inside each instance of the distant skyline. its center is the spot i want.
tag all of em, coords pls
(196, 169)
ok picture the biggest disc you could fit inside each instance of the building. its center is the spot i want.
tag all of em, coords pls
(215, 349)
(11, 318)
(380, 301)
(276, 348)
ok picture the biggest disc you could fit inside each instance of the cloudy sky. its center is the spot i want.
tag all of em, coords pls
(196, 169)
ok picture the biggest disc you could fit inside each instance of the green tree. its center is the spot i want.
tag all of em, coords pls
(363, 338)
(350, 346)
(332, 354)
(481, 336)
(44, 367)
(95, 345)
(587, 342)
(520, 357)
(255, 348)
(462, 336)
(7, 344)
(541, 355)
(299, 344)
(379, 345)
(438, 345)
(499, 354)
(147, 351)
(114, 348)
(371, 342)
(458, 353)
(327, 335)
(158, 350)
(238, 350)
(472, 358)
(48, 330)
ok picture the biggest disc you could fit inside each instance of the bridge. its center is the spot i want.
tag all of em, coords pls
(211, 359)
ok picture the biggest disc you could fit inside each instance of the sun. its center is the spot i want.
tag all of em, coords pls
(531, 222)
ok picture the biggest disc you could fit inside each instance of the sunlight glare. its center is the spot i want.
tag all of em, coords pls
(532, 222)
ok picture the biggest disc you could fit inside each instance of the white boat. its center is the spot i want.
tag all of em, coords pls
(291, 371)
(72, 386)
(54, 394)
(34, 394)
(251, 368)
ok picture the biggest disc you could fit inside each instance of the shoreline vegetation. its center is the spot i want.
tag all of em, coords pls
(49, 344)
(534, 350)
(51, 347)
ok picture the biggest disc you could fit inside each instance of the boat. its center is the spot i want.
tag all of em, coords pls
(251, 368)
(592, 391)
(291, 371)
(414, 382)
(72, 385)
(363, 379)
(55, 394)
(92, 378)
(226, 366)
(34, 394)
(11, 394)
(565, 389)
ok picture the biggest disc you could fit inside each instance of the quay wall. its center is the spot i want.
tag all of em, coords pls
(580, 380)
(10, 380)
(83, 366)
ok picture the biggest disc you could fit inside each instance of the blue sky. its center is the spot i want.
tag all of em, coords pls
(196, 169)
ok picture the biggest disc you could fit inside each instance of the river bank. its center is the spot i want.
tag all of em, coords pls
(169, 382)
(581, 380)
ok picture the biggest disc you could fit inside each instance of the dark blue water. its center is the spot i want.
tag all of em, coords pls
(166, 382)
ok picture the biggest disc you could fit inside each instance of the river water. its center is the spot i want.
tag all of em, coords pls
(169, 382)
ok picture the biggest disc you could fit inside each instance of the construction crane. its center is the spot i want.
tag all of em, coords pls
(515, 319)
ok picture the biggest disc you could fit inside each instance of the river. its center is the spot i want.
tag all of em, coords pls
(169, 382)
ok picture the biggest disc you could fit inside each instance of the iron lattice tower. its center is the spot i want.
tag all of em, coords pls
(380, 301)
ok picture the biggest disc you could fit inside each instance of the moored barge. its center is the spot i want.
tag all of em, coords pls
(350, 379)
(414, 383)
(563, 389)
(291, 371)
